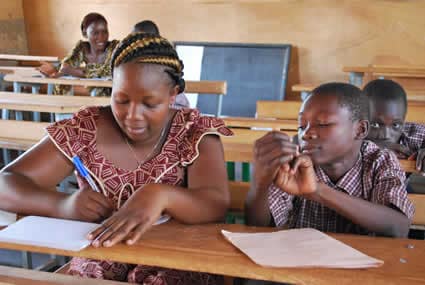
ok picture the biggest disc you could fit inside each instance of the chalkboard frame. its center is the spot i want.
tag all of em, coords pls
(286, 49)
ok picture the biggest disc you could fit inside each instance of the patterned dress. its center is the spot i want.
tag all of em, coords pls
(77, 136)
(77, 58)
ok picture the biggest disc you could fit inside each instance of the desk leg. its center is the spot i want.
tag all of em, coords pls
(17, 89)
(26, 260)
(50, 88)
(36, 115)
(219, 103)
(356, 78)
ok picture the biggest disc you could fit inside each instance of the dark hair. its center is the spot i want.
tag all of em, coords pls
(146, 26)
(89, 19)
(381, 90)
(349, 96)
(150, 48)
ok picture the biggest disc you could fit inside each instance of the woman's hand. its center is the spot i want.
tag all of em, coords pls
(137, 215)
(47, 69)
(86, 205)
(299, 178)
(67, 69)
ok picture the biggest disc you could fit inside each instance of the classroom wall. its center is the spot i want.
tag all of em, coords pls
(12, 27)
(326, 34)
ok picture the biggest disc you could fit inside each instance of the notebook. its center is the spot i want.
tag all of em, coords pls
(53, 233)
(299, 248)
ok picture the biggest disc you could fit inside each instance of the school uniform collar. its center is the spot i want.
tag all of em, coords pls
(350, 182)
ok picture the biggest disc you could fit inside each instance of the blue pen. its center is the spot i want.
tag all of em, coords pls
(84, 173)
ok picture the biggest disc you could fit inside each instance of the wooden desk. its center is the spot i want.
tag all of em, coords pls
(47, 103)
(202, 248)
(218, 88)
(304, 89)
(244, 122)
(18, 276)
(27, 71)
(18, 57)
(401, 71)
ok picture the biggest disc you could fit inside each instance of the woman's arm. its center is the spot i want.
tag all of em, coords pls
(67, 69)
(207, 197)
(28, 186)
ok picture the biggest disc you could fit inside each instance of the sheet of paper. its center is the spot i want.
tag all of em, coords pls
(49, 232)
(53, 233)
(299, 248)
(6, 218)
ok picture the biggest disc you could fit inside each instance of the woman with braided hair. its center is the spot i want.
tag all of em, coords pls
(147, 159)
(88, 59)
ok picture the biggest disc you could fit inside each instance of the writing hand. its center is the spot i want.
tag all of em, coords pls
(86, 205)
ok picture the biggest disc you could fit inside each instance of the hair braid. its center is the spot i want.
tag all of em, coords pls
(150, 48)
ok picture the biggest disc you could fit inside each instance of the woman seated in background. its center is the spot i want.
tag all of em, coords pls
(88, 59)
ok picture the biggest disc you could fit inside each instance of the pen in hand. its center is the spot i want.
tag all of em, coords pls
(84, 173)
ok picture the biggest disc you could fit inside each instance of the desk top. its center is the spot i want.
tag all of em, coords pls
(202, 87)
(407, 71)
(28, 71)
(48, 103)
(16, 77)
(19, 57)
(203, 248)
(19, 276)
(245, 122)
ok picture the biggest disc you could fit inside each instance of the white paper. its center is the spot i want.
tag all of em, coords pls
(49, 232)
(299, 248)
(53, 233)
(6, 218)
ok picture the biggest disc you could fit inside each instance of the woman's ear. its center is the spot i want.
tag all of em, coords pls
(173, 94)
(362, 129)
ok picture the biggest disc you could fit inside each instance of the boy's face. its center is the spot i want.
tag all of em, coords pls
(326, 130)
(386, 121)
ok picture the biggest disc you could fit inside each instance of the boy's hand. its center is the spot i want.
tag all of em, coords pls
(400, 150)
(420, 160)
(86, 205)
(134, 218)
(297, 177)
(270, 152)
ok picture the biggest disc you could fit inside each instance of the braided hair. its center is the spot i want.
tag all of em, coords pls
(150, 48)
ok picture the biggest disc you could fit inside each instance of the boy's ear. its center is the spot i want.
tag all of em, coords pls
(362, 129)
